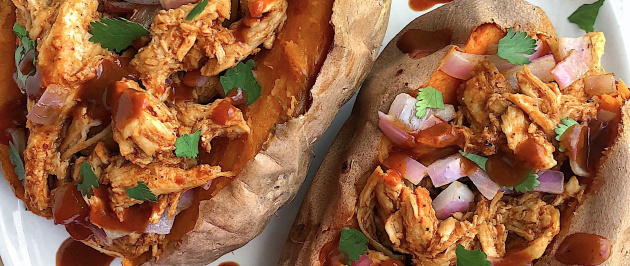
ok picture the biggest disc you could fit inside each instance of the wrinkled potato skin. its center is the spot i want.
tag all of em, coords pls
(330, 202)
(240, 211)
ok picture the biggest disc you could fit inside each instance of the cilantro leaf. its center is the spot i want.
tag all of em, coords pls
(188, 145)
(242, 78)
(528, 184)
(353, 243)
(471, 257)
(428, 97)
(90, 180)
(141, 192)
(26, 45)
(514, 45)
(16, 160)
(197, 10)
(478, 159)
(563, 126)
(586, 15)
(116, 34)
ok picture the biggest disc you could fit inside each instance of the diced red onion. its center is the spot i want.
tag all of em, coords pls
(457, 197)
(540, 67)
(605, 116)
(397, 135)
(581, 45)
(45, 111)
(194, 79)
(600, 84)
(185, 200)
(404, 108)
(550, 181)
(500, 63)
(364, 260)
(574, 138)
(413, 170)
(445, 171)
(447, 114)
(506, 191)
(572, 68)
(484, 184)
(459, 64)
(172, 4)
(144, 2)
(100, 233)
(145, 15)
(163, 226)
(537, 53)
(111, 235)
(119, 7)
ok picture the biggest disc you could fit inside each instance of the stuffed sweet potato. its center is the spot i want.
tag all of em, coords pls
(458, 152)
(174, 138)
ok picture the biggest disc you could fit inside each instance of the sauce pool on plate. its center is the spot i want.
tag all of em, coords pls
(75, 253)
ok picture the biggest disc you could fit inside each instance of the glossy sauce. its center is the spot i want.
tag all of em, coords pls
(223, 112)
(585, 143)
(396, 161)
(420, 5)
(75, 253)
(228, 263)
(70, 209)
(128, 104)
(439, 135)
(584, 249)
(506, 169)
(420, 43)
(530, 153)
(13, 116)
(135, 218)
(97, 94)
(330, 255)
(468, 166)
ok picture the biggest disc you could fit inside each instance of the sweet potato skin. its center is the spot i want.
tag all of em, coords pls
(330, 202)
(240, 211)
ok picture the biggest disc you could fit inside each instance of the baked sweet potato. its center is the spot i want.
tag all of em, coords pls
(363, 182)
(308, 63)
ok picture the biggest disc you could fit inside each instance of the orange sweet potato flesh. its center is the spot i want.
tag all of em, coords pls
(478, 42)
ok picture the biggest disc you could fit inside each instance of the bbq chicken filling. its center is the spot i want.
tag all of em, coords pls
(115, 132)
(495, 170)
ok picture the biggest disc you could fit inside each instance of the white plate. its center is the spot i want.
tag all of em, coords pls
(26, 239)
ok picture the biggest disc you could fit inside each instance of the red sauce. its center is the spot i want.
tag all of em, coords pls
(330, 255)
(585, 143)
(135, 218)
(583, 249)
(439, 135)
(75, 253)
(420, 43)
(223, 112)
(13, 116)
(420, 5)
(128, 104)
(97, 92)
(468, 166)
(530, 153)
(396, 161)
(506, 169)
(228, 263)
(257, 7)
(70, 209)
(181, 92)
(33, 86)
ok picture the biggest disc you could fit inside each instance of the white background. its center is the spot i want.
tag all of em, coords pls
(26, 239)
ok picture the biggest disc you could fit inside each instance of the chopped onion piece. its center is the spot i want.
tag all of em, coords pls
(538, 53)
(484, 184)
(550, 181)
(144, 2)
(397, 135)
(571, 69)
(404, 108)
(605, 116)
(581, 45)
(163, 226)
(46, 109)
(413, 170)
(364, 260)
(172, 4)
(459, 64)
(540, 67)
(145, 15)
(455, 198)
(445, 171)
(600, 84)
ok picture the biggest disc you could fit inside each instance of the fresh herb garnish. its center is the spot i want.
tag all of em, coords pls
(141, 192)
(428, 97)
(16, 160)
(471, 257)
(586, 15)
(478, 159)
(514, 45)
(528, 184)
(26, 45)
(352, 243)
(242, 78)
(90, 180)
(116, 34)
(563, 126)
(188, 145)
(197, 9)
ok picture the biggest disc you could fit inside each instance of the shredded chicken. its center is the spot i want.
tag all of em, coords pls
(181, 44)
(413, 229)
